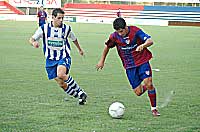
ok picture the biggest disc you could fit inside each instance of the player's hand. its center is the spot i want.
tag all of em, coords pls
(140, 47)
(81, 52)
(100, 66)
(35, 44)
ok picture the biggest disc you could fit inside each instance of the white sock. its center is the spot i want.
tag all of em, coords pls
(153, 108)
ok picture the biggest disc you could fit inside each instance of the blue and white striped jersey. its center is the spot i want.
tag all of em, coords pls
(55, 40)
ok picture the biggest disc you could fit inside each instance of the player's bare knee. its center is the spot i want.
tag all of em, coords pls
(63, 85)
(149, 86)
(137, 92)
(61, 76)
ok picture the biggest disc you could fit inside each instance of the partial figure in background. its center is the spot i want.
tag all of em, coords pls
(42, 16)
(56, 49)
(119, 14)
(132, 46)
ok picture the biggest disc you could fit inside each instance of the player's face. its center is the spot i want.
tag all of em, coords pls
(122, 32)
(41, 8)
(58, 20)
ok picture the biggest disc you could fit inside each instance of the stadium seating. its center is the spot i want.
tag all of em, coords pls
(101, 10)
(170, 14)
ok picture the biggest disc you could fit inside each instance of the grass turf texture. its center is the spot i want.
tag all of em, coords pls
(29, 102)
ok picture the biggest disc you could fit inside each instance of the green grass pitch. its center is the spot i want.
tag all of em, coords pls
(29, 102)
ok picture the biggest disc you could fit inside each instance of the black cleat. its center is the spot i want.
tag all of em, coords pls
(82, 98)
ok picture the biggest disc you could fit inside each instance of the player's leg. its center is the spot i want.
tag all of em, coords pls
(72, 88)
(146, 74)
(71, 84)
(140, 90)
(64, 86)
(52, 74)
(152, 95)
(135, 81)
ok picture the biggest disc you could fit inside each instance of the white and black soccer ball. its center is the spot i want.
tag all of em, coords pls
(116, 110)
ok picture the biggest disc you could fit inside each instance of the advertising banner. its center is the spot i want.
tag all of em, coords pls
(36, 3)
(170, 1)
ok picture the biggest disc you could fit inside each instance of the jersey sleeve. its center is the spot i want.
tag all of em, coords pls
(110, 42)
(38, 34)
(142, 35)
(72, 36)
(38, 14)
(69, 33)
(45, 14)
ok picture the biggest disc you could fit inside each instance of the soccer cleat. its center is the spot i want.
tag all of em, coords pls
(155, 112)
(82, 98)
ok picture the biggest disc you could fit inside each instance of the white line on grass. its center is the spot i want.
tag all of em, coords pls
(167, 99)
(157, 70)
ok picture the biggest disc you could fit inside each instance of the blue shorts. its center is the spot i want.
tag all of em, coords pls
(51, 66)
(137, 74)
(41, 23)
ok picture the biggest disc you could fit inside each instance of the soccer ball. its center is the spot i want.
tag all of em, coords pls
(116, 110)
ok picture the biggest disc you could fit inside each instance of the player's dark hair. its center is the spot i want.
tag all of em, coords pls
(119, 23)
(56, 11)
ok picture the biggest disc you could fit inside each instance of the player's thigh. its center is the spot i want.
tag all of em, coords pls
(64, 66)
(133, 77)
(61, 70)
(51, 72)
(146, 74)
(145, 71)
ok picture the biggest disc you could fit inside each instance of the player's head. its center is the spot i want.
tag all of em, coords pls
(57, 16)
(41, 8)
(57, 11)
(119, 25)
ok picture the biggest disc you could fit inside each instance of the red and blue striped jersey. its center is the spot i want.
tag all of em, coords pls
(126, 47)
(42, 16)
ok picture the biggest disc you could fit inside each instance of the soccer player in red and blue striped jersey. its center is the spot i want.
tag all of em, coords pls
(131, 43)
(42, 15)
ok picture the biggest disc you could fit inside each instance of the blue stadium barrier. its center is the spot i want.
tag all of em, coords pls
(172, 8)
(171, 13)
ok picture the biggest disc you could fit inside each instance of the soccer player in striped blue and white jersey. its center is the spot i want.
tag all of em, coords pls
(131, 43)
(56, 50)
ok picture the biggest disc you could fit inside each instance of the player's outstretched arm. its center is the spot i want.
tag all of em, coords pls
(34, 43)
(78, 47)
(101, 62)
